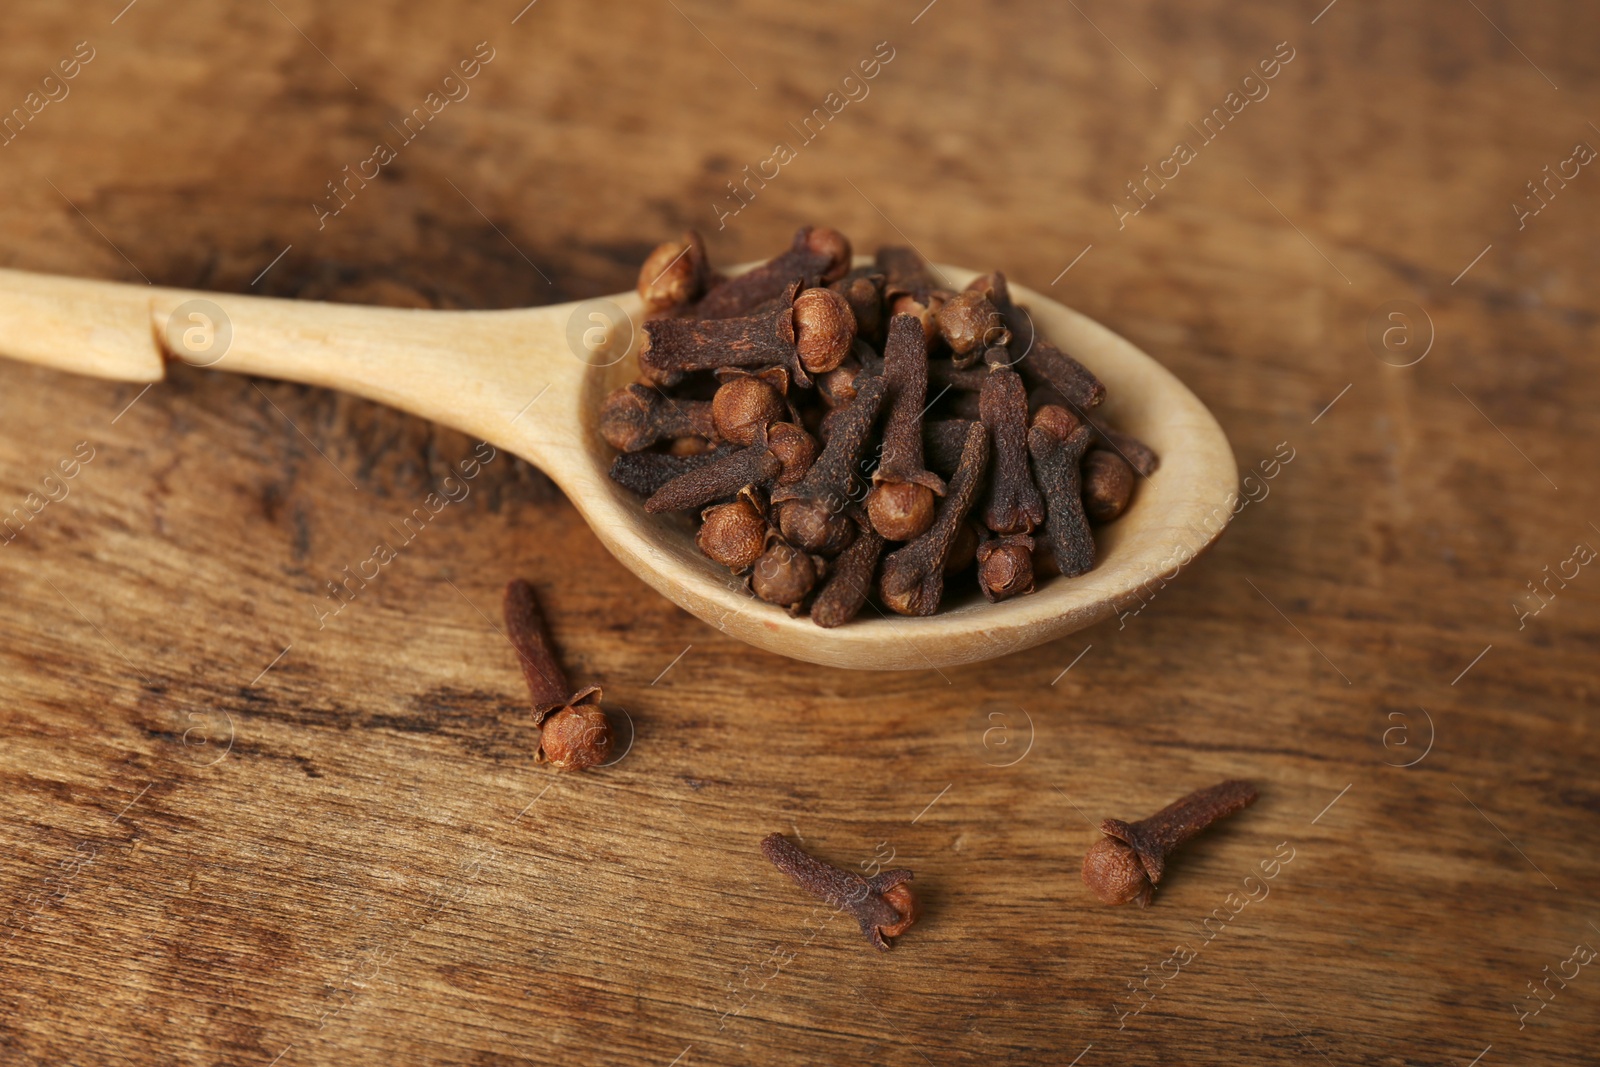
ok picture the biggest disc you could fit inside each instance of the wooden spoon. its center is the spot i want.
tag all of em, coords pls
(531, 381)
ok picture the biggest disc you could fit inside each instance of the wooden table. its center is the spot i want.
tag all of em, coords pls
(235, 836)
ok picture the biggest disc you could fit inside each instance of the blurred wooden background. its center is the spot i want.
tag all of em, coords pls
(231, 837)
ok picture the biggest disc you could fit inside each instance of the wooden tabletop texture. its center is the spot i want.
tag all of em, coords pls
(239, 830)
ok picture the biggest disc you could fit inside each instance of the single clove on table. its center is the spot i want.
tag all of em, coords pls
(816, 417)
(574, 731)
(883, 905)
(1124, 866)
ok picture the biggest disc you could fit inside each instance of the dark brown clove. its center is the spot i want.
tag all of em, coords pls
(784, 575)
(1055, 465)
(900, 504)
(908, 288)
(825, 330)
(883, 905)
(1005, 566)
(635, 417)
(1107, 485)
(1036, 358)
(849, 580)
(913, 576)
(970, 325)
(905, 273)
(862, 289)
(1138, 455)
(808, 330)
(747, 403)
(817, 256)
(795, 449)
(646, 472)
(838, 386)
(575, 733)
(813, 512)
(734, 534)
(1126, 865)
(718, 480)
(675, 274)
(963, 548)
(944, 375)
(943, 440)
(1012, 504)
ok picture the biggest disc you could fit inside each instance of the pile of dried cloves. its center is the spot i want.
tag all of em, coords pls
(849, 431)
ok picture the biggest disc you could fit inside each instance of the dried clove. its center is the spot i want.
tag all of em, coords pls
(862, 289)
(575, 733)
(734, 534)
(646, 472)
(1138, 455)
(1126, 865)
(1107, 485)
(795, 449)
(635, 417)
(675, 274)
(1036, 358)
(883, 904)
(813, 512)
(943, 440)
(784, 575)
(843, 595)
(719, 479)
(1012, 504)
(818, 255)
(943, 376)
(963, 548)
(913, 576)
(905, 273)
(1057, 443)
(900, 504)
(810, 330)
(1005, 566)
(908, 289)
(970, 325)
(746, 403)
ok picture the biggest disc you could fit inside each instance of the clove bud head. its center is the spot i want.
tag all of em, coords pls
(1111, 869)
(733, 534)
(827, 241)
(905, 904)
(783, 576)
(576, 737)
(744, 405)
(825, 329)
(838, 386)
(816, 527)
(1107, 485)
(675, 273)
(795, 449)
(1056, 421)
(900, 511)
(1005, 567)
(968, 322)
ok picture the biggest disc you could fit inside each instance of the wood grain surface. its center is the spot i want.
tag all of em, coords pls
(237, 831)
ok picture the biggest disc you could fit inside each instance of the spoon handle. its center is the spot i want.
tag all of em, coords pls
(506, 376)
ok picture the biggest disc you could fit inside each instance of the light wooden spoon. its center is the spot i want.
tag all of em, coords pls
(531, 381)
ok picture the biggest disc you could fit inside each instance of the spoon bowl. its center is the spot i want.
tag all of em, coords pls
(531, 381)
